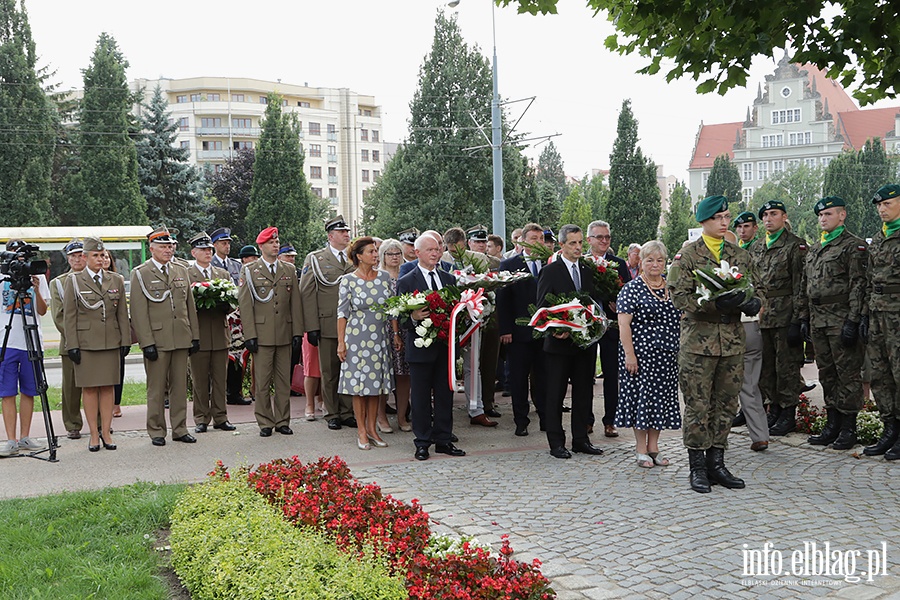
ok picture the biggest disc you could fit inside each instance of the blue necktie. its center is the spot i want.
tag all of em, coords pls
(534, 269)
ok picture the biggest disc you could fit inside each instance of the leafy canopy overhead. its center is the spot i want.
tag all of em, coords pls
(714, 42)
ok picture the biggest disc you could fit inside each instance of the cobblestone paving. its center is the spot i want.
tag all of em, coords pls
(607, 529)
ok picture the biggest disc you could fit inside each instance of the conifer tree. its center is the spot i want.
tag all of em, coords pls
(724, 180)
(678, 219)
(230, 190)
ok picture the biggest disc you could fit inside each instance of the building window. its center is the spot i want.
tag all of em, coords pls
(364, 135)
(315, 150)
(195, 97)
(186, 145)
(316, 173)
(374, 135)
(330, 128)
(263, 99)
(243, 145)
(218, 168)
(332, 171)
(747, 194)
(772, 141)
(810, 162)
(315, 129)
(332, 192)
(183, 124)
(825, 160)
(376, 156)
(212, 145)
(777, 167)
(241, 123)
(303, 104)
(180, 99)
(210, 122)
(800, 139)
(237, 98)
(367, 113)
(705, 179)
(212, 97)
(748, 171)
(790, 115)
(365, 156)
(762, 170)
(317, 191)
(365, 175)
(794, 162)
(332, 150)
(376, 175)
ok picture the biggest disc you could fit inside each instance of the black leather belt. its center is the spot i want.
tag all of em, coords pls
(713, 318)
(886, 289)
(837, 298)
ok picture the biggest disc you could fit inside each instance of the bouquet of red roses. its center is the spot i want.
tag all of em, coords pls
(607, 281)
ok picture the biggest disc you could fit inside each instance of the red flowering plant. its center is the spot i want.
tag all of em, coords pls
(607, 280)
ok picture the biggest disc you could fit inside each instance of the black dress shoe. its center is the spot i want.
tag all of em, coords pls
(94, 448)
(224, 426)
(186, 438)
(200, 428)
(238, 402)
(421, 453)
(349, 422)
(334, 424)
(449, 449)
(453, 438)
(265, 431)
(493, 413)
(808, 387)
(390, 410)
(506, 394)
(284, 430)
(522, 431)
(566, 408)
(560, 452)
(158, 441)
(107, 446)
(586, 448)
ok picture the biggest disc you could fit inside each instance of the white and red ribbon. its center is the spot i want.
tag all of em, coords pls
(471, 301)
(557, 315)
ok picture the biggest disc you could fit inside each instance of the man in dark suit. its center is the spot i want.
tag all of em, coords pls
(599, 239)
(564, 359)
(524, 353)
(409, 266)
(428, 366)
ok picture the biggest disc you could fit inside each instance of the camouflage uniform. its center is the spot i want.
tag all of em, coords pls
(711, 358)
(883, 294)
(780, 278)
(836, 280)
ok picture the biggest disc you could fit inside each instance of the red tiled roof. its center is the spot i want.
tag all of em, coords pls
(838, 99)
(858, 126)
(712, 141)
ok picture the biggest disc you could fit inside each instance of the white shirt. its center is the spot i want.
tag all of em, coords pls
(92, 274)
(269, 265)
(159, 265)
(337, 253)
(425, 273)
(17, 333)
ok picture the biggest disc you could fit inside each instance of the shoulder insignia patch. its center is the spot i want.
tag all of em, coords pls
(802, 247)
(677, 256)
(861, 248)
(305, 269)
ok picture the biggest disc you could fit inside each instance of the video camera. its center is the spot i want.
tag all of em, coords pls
(19, 266)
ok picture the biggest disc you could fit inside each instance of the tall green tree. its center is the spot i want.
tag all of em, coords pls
(725, 180)
(634, 200)
(596, 193)
(678, 219)
(107, 189)
(280, 194)
(440, 177)
(27, 124)
(855, 176)
(230, 190)
(575, 209)
(169, 183)
(551, 170)
(799, 187)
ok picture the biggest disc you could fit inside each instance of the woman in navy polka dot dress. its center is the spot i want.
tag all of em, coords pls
(648, 353)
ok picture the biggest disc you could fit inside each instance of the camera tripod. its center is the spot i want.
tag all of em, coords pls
(35, 354)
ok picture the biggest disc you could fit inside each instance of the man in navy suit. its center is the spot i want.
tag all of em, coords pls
(523, 351)
(409, 266)
(428, 366)
(565, 360)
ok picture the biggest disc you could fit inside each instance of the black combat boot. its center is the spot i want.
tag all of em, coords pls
(786, 423)
(894, 452)
(774, 411)
(830, 431)
(699, 479)
(739, 420)
(887, 441)
(846, 439)
(715, 467)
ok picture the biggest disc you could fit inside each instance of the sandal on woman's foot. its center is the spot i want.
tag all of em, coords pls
(643, 461)
(658, 460)
(310, 416)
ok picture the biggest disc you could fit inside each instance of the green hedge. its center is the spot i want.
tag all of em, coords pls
(228, 542)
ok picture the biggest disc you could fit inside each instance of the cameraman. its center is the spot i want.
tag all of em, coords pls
(16, 372)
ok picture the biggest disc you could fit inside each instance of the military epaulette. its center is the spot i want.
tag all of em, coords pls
(802, 247)
(861, 248)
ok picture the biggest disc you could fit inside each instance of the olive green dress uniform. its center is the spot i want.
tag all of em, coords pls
(319, 281)
(209, 366)
(164, 315)
(883, 293)
(96, 322)
(780, 278)
(711, 357)
(271, 312)
(71, 393)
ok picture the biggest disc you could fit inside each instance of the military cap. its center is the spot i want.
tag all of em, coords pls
(160, 235)
(267, 234)
(222, 233)
(248, 251)
(74, 246)
(478, 233)
(93, 244)
(201, 240)
(892, 190)
(709, 206)
(772, 205)
(745, 217)
(828, 202)
(287, 249)
(408, 236)
(336, 223)
(549, 236)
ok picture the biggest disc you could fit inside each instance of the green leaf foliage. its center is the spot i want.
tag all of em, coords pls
(575, 210)
(551, 174)
(229, 543)
(633, 208)
(855, 176)
(596, 193)
(280, 194)
(714, 43)
(230, 189)
(677, 219)
(725, 180)
(799, 187)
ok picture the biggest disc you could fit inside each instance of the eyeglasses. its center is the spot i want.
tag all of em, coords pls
(601, 237)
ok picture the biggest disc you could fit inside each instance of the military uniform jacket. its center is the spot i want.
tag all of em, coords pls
(95, 317)
(884, 273)
(490, 263)
(231, 265)
(781, 278)
(319, 291)
(836, 281)
(213, 322)
(705, 330)
(163, 313)
(57, 294)
(270, 306)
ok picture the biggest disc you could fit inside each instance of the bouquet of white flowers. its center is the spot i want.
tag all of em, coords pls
(215, 293)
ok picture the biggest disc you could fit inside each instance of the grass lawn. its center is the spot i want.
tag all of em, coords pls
(86, 544)
(132, 395)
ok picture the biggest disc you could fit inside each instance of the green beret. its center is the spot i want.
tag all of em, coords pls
(772, 205)
(828, 202)
(891, 190)
(709, 206)
(745, 217)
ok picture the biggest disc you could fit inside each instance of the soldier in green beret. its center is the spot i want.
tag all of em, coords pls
(883, 294)
(711, 357)
(836, 282)
(778, 259)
